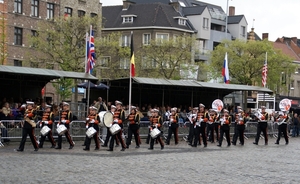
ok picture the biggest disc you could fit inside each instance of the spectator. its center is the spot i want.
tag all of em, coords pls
(16, 112)
(296, 125)
(6, 112)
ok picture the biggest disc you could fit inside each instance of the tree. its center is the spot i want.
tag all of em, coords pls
(245, 61)
(165, 58)
(63, 88)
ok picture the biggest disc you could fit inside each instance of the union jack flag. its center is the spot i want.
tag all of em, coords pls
(264, 73)
(91, 55)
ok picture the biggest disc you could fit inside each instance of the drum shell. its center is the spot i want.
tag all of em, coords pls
(61, 129)
(91, 132)
(45, 130)
(155, 133)
(106, 118)
(114, 129)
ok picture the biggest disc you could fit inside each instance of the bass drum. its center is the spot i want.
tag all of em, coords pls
(106, 118)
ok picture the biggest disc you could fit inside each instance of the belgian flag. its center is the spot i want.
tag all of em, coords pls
(132, 64)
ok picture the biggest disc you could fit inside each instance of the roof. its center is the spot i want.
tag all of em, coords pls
(51, 74)
(195, 10)
(286, 50)
(191, 83)
(147, 15)
(235, 19)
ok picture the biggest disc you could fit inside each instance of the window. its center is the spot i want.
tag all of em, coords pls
(243, 31)
(125, 41)
(160, 37)
(104, 61)
(17, 63)
(34, 8)
(124, 63)
(94, 15)
(18, 6)
(182, 22)
(18, 36)
(68, 12)
(205, 23)
(127, 19)
(146, 39)
(50, 10)
(34, 33)
(81, 13)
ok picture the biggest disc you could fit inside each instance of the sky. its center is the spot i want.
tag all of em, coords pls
(277, 17)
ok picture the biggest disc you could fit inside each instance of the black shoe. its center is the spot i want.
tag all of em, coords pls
(40, 146)
(127, 147)
(109, 150)
(103, 145)
(123, 149)
(162, 147)
(96, 149)
(219, 145)
(150, 148)
(53, 146)
(205, 145)
(71, 147)
(20, 150)
(234, 144)
(255, 143)
(147, 142)
(228, 145)
(36, 149)
(276, 142)
(286, 143)
(86, 149)
(167, 143)
(117, 145)
(194, 146)
(137, 147)
(58, 148)
(266, 144)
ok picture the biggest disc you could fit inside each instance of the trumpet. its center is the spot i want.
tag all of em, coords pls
(258, 114)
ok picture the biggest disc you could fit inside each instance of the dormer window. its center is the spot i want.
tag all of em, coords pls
(181, 20)
(128, 18)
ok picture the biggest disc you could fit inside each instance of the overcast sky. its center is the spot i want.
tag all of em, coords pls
(276, 17)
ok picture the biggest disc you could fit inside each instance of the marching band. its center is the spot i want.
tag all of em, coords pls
(207, 123)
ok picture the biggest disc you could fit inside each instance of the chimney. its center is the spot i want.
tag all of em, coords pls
(231, 10)
(265, 36)
(126, 4)
(294, 39)
(251, 35)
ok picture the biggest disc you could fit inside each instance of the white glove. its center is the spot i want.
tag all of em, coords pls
(201, 120)
(241, 119)
(171, 120)
(46, 122)
(57, 125)
(87, 119)
(86, 126)
(93, 121)
(115, 121)
(63, 121)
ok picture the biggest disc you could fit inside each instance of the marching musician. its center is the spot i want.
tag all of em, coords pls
(156, 122)
(119, 118)
(225, 128)
(92, 121)
(66, 117)
(173, 126)
(282, 120)
(133, 128)
(240, 120)
(150, 119)
(194, 133)
(262, 126)
(202, 117)
(28, 127)
(213, 117)
(108, 135)
(47, 120)
(235, 134)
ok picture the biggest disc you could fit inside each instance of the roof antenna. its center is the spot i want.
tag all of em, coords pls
(253, 23)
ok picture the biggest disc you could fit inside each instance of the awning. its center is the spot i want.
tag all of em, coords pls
(52, 74)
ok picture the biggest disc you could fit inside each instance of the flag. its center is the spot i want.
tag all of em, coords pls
(91, 55)
(264, 72)
(225, 71)
(132, 64)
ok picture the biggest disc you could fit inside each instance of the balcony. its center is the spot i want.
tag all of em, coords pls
(201, 55)
(219, 36)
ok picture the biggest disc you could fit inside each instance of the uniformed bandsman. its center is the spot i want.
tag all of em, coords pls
(156, 122)
(47, 120)
(133, 128)
(262, 126)
(92, 121)
(240, 120)
(173, 126)
(225, 128)
(282, 120)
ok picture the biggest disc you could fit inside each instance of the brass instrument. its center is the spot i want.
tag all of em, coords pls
(31, 122)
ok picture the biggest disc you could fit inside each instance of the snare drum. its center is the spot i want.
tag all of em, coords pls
(45, 130)
(155, 133)
(61, 129)
(115, 129)
(91, 132)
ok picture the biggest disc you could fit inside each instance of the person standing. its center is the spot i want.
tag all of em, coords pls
(133, 128)
(47, 120)
(262, 126)
(173, 126)
(150, 120)
(66, 117)
(296, 125)
(240, 120)
(203, 123)
(100, 105)
(211, 125)
(92, 121)
(108, 135)
(225, 128)
(156, 122)
(282, 120)
(119, 118)
(28, 127)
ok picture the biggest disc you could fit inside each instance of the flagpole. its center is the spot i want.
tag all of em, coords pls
(89, 83)
(130, 77)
